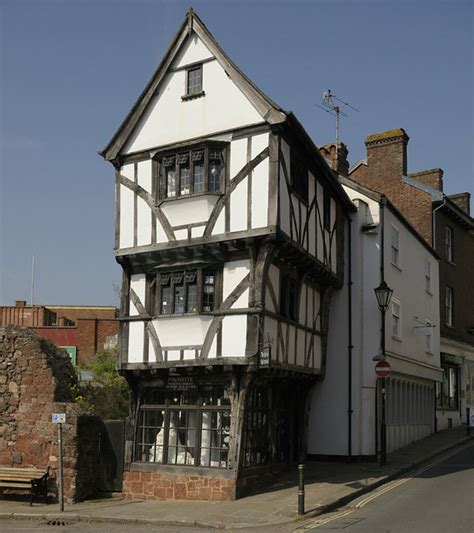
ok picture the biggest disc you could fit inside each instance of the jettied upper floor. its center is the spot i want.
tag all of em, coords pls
(205, 158)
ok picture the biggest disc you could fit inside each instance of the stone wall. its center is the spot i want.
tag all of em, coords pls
(180, 486)
(35, 381)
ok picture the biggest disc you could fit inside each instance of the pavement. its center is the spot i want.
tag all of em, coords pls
(329, 485)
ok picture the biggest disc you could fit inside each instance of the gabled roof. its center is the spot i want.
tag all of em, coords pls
(269, 110)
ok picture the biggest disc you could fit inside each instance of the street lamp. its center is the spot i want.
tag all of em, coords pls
(383, 293)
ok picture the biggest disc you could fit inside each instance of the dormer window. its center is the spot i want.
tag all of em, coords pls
(192, 171)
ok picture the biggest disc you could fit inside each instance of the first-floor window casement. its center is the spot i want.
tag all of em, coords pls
(396, 324)
(395, 246)
(449, 306)
(189, 291)
(192, 171)
(447, 392)
(190, 427)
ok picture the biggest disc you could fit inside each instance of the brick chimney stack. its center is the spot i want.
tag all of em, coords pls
(432, 177)
(336, 157)
(462, 200)
(387, 155)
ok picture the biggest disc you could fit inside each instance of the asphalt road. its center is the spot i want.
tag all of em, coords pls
(437, 499)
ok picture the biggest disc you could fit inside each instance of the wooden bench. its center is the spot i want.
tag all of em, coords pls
(27, 478)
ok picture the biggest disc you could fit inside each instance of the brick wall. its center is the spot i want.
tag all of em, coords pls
(386, 164)
(432, 177)
(92, 334)
(170, 486)
(35, 381)
(76, 312)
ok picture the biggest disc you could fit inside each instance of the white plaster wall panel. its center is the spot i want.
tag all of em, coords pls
(310, 307)
(271, 331)
(238, 156)
(143, 222)
(260, 194)
(300, 351)
(126, 217)
(191, 210)
(319, 223)
(259, 143)
(138, 285)
(213, 348)
(317, 309)
(190, 330)
(151, 352)
(312, 219)
(173, 355)
(198, 231)
(234, 273)
(238, 207)
(144, 175)
(168, 119)
(302, 314)
(128, 171)
(192, 50)
(291, 346)
(334, 252)
(160, 233)
(219, 226)
(181, 234)
(274, 278)
(136, 339)
(242, 301)
(318, 359)
(234, 334)
(284, 204)
(189, 354)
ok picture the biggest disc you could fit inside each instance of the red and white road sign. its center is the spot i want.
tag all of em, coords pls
(383, 369)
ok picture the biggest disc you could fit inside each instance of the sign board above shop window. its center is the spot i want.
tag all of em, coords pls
(179, 383)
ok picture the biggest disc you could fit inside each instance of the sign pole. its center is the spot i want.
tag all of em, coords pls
(60, 478)
(383, 435)
(60, 419)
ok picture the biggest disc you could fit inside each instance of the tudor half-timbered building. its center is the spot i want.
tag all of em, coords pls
(230, 231)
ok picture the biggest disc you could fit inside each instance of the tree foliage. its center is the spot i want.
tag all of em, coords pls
(107, 395)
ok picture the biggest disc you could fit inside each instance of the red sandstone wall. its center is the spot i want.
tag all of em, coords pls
(165, 485)
(35, 381)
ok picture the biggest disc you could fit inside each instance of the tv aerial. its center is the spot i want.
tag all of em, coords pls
(332, 104)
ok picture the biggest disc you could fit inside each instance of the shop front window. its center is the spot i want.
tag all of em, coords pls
(189, 427)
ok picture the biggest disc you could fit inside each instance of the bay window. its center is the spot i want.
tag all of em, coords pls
(192, 171)
(174, 293)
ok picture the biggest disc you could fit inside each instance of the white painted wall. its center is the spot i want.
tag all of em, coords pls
(234, 335)
(138, 285)
(189, 210)
(182, 331)
(233, 273)
(168, 119)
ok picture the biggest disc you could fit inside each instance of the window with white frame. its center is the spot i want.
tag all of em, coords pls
(449, 306)
(396, 320)
(395, 246)
(428, 275)
(429, 337)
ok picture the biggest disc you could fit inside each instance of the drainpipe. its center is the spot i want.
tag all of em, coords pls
(349, 347)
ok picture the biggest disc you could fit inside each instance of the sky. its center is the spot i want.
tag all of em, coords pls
(71, 70)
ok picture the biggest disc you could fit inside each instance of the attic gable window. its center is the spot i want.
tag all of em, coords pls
(193, 82)
(192, 171)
